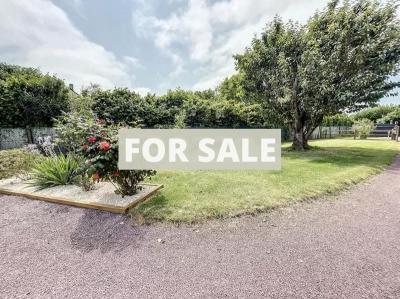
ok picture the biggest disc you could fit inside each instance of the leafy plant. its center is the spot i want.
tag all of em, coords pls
(54, 171)
(96, 143)
(375, 113)
(391, 117)
(362, 128)
(72, 129)
(101, 152)
(28, 97)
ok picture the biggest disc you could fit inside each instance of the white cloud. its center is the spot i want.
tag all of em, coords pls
(193, 28)
(142, 90)
(37, 33)
(212, 32)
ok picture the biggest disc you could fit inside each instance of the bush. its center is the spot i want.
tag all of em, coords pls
(96, 142)
(118, 106)
(338, 120)
(29, 98)
(54, 171)
(362, 128)
(374, 113)
(101, 152)
(72, 129)
(391, 117)
(17, 162)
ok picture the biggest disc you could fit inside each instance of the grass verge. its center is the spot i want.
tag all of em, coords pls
(192, 196)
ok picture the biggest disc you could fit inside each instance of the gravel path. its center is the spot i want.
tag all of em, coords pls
(348, 247)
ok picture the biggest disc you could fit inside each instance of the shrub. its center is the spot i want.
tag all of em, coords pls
(119, 106)
(17, 162)
(30, 98)
(374, 113)
(362, 128)
(72, 129)
(54, 171)
(101, 152)
(338, 120)
(391, 117)
(96, 142)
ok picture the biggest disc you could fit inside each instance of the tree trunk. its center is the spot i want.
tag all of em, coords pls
(300, 140)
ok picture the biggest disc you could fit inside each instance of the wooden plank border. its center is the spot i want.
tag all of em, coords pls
(81, 203)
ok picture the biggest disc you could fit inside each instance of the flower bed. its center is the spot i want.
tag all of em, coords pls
(101, 197)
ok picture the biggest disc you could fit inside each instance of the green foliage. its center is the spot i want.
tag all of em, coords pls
(177, 108)
(17, 162)
(27, 97)
(81, 104)
(232, 88)
(375, 113)
(54, 171)
(180, 120)
(96, 143)
(363, 127)
(338, 120)
(118, 106)
(391, 117)
(342, 59)
(72, 129)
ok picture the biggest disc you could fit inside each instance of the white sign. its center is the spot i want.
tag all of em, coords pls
(199, 149)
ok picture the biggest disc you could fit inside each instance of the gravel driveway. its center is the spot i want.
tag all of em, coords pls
(347, 247)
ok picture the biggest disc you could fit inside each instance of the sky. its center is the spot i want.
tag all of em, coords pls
(145, 45)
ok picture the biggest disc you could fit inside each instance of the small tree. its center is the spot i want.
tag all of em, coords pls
(342, 59)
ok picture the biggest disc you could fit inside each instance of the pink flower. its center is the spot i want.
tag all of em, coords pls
(104, 145)
(92, 139)
(85, 147)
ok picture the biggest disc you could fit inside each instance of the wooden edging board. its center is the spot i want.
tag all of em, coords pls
(81, 203)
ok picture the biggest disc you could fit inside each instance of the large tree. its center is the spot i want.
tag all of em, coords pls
(342, 59)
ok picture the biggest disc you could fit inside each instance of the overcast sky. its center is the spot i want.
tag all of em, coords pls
(146, 45)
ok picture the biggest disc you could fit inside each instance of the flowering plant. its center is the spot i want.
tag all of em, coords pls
(101, 154)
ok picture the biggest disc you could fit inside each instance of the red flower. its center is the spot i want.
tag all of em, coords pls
(104, 145)
(116, 173)
(96, 176)
(85, 147)
(103, 133)
(92, 139)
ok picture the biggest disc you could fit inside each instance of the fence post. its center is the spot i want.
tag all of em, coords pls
(29, 134)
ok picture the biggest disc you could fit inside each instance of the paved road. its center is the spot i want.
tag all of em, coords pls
(347, 247)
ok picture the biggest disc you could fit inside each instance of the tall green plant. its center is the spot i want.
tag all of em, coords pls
(54, 171)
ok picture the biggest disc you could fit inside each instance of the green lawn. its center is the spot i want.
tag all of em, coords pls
(330, 166)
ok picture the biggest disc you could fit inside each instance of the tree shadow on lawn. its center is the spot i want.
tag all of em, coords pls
(104, 231)
(345, 156)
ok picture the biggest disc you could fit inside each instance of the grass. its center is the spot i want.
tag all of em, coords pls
(16, 162)
(330, 166)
